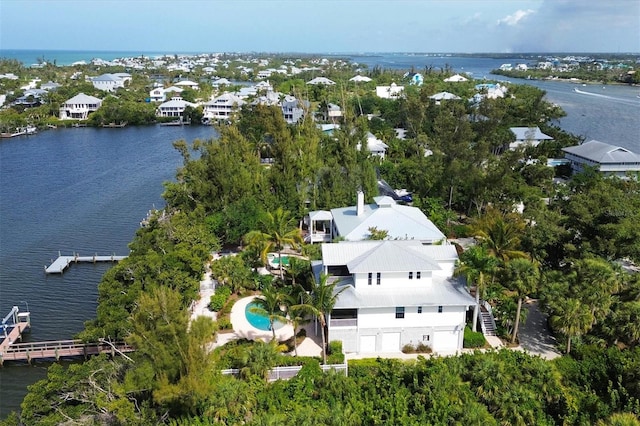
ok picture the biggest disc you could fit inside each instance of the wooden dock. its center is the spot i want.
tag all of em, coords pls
(57, 349)
(62, 262)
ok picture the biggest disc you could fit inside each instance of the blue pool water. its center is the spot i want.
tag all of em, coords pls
(261, 322)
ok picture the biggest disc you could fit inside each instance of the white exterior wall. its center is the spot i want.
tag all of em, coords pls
(386, 317)
(391, 280)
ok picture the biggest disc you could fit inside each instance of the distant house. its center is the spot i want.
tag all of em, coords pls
(416, 79)
(173, 89)
(375, 146)
(360, 79)
(531, 136)
(157, 95)
(174, 107)
(110, 82)
(443, 96)
(321, 80)
(291, 109)
(222, 107)
(187, 84)
(608, 159)
(333, 111)
(389, 92)
(455, 79)
(79, 107)
(50, 85)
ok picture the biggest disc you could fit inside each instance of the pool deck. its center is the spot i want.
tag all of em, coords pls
(243, 330)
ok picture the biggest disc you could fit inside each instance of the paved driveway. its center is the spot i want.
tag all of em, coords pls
(535, 336)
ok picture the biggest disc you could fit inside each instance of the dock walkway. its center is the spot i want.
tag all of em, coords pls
(58, 349)
(62, 262)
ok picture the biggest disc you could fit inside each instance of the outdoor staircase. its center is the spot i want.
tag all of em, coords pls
(487, 323)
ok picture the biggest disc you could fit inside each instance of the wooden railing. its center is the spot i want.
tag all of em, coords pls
(60, 348)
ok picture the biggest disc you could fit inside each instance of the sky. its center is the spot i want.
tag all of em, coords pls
(322, 26)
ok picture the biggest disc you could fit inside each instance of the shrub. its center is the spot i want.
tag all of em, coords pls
(224, 324)
(219, 298)
(473, 339)
(422, 348)
(335, 352)
(408, 349)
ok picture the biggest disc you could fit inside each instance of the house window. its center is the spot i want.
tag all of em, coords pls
(425, 337)
(370, 278)
(419, 309)
(400, 312)
(410, 275)
(418, 275)
(440, 309)
(378, 274)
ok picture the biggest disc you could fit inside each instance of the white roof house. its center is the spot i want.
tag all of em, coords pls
(443, 96)
(321, 80)
(187, 83)
(360, 79)
(608, 159)
(389, 92)
(456, 79)
(222, 107)
(157, 95)
(375, 146)
(173, 108)
(395, 293)
(110, 82)
(531, 136)
(291, 109)
(401, 222)
(79, 107)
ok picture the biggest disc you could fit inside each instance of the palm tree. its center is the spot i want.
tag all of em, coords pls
(522, 277)
(476, 265)
(271, 304)
(572, 319)
(500, 234)
(323, 299)
(298, 309)
(277, 230)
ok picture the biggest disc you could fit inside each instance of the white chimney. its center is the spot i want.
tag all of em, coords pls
(360, 205)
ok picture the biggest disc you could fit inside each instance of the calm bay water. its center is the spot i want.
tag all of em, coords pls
(82, 190)
(86, 190)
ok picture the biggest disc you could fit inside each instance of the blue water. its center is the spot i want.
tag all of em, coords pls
(261, 322)
(82, 190)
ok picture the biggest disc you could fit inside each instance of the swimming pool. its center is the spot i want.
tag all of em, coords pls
(261, 322)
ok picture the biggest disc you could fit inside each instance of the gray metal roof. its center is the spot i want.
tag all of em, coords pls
(443, 292)
(81, 98)
(387, 256)
(603, 153)
(401, 222)
(529, 134)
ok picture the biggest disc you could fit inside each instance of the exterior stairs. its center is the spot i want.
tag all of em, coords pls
(487, 324)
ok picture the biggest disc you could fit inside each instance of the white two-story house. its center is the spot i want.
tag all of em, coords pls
(393, 293)
(222, 107)
(174, 107)
(607, 159)
(79, 107)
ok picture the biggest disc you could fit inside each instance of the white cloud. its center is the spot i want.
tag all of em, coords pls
(516, 17)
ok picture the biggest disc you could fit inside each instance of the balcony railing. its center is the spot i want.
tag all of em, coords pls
(346, 322)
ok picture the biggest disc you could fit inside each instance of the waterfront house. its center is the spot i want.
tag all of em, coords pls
(394, 293)
(157, 95)
(188, 84)
(79, 107)
(608, 159)
(174, 107)
(353, 223)
(222, 107)
(530, 136)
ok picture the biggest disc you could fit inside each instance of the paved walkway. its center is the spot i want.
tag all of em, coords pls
(535, 336)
